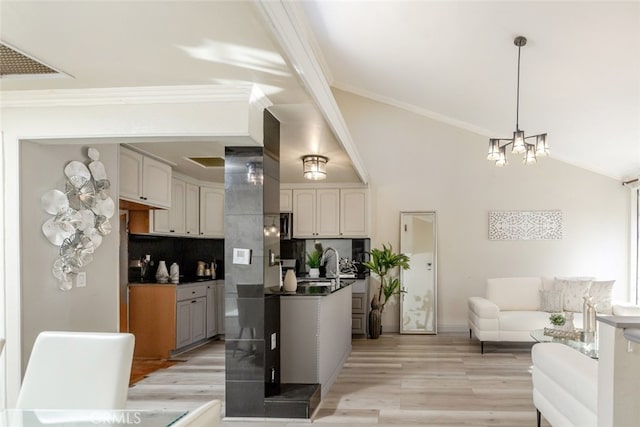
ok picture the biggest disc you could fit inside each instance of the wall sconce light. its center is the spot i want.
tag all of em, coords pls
(314, 167)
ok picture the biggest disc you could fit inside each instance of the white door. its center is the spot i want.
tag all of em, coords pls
(328, 213)
(192, 209)
(183, 323)
(304, 213)
(418, 302)
(198, 319)
(211, 212)
(130, 185)
(211, 310)
(156, 183)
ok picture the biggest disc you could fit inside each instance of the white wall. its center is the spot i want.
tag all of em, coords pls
(44, 306)
(418, 164)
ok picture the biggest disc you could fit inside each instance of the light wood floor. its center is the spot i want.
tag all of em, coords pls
(411, 380)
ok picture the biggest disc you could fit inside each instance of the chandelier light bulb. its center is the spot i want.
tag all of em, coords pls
(518, 142)
(542, 149)
(494, 149)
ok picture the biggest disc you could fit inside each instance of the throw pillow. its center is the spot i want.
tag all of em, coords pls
(573, 292)
(551, 301)
(601, 292)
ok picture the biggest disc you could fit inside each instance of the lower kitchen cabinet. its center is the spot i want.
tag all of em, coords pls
(166, 318)
(359, 308)
(191, 321)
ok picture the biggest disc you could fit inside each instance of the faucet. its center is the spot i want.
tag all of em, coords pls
(331, 272)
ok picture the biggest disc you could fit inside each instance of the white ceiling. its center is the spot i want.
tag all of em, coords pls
(453, 61)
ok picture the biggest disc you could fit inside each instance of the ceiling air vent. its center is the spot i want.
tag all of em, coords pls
(208, 162)
(14, 63)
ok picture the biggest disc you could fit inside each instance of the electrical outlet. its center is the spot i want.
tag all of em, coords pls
(273, 341)
(81, 279)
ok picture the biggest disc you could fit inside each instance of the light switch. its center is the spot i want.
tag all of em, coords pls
(273, 341)
(241, 256)
(81, 279)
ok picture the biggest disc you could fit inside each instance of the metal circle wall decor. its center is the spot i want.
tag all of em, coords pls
(80, 217)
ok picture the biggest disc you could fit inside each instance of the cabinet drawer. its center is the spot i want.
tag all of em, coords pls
(358, 303)
(183, 293)
(358, 324)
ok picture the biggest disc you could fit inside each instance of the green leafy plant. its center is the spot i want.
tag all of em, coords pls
(557, 319)
(383, 263)
(313, 259)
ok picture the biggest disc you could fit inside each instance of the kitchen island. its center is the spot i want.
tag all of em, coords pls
(315, 328)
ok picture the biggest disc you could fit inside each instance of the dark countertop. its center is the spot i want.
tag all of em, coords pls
(185, 282)
(312, 287)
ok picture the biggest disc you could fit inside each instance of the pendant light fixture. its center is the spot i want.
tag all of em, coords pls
(314, 167)
(519, 143)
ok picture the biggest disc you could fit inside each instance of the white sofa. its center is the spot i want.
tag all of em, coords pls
(565, 385)
(513, 306)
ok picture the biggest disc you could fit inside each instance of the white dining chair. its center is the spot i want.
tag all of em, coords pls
(77, 370)
(207, 415)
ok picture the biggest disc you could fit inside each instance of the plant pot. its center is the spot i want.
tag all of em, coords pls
(375, 323)
(314, 272)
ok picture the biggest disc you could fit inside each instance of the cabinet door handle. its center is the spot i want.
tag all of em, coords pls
(172, 231)
(194, 301)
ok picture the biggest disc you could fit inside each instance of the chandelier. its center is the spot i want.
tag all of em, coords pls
(519, 143)
(314, 167)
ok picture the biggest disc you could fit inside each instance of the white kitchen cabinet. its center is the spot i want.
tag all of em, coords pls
(354, 212)
(286, 201)
(316, 212)
(191, 314)
(144, 180)
(211, 212)
(212, 310)
(192, 209)
(172, 221)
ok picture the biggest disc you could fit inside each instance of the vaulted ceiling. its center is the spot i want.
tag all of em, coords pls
(451, 61)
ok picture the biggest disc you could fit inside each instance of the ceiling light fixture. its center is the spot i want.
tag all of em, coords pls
(531, 150)
(314, 167)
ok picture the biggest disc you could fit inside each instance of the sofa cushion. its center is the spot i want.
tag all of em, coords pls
(573, 292)
(602, 292)
(514, 293)
(551, 301)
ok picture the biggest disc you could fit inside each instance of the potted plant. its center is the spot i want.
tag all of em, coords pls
(313, 261)
(557, 319)
(383, 263)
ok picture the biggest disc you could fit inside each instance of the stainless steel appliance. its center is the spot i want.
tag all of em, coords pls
(286, 225)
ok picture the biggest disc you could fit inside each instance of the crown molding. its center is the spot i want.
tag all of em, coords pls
(132, 95)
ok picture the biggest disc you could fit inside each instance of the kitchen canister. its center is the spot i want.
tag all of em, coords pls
(174, 273)
(162, 275)
(290, 281)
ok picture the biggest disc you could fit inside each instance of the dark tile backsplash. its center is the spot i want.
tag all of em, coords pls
(183, 250)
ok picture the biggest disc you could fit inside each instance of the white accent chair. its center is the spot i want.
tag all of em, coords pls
(565, 385)
(77, 370)
(207, 415)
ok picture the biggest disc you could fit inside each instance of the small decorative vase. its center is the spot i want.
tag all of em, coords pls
(375, 319)
(290, 281)
(162, 275)
(568, 323)
(174, 276)
(314, 272)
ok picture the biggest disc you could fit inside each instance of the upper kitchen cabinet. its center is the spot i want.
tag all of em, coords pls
(192, 209)
(144, 180)
(330, 212)
(316, 213)
(173, 221)
(354, 212)
(286, 201)
(212, 212)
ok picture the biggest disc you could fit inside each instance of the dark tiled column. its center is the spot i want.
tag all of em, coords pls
(251, 207)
